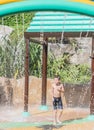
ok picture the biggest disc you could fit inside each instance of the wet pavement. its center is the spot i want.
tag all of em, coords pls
(72, 119)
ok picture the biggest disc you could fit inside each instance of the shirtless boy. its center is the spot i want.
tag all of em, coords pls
(57, 89)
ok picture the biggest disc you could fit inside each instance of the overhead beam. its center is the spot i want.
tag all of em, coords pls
(36, 41)
(58, 34)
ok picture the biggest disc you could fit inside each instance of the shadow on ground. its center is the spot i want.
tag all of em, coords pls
(50, 127)
(71, 121)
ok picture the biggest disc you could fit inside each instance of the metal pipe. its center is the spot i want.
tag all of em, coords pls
(44, 72)
(26, 89)
(36, 41)
(92, 81)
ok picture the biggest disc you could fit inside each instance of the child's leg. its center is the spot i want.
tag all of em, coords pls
(59, 115)
(55, 117)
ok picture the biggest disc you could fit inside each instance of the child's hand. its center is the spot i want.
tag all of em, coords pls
(59, 89)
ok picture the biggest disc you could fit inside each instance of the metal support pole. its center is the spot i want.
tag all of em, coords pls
(44, 72)
(92, 81)
(26, 76)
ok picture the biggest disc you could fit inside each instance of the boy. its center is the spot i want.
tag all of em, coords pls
(57, 89)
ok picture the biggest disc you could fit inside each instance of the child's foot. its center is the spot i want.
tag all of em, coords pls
(59, 122)
(54, 123)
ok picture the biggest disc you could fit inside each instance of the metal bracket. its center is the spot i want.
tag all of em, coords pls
(92, 57)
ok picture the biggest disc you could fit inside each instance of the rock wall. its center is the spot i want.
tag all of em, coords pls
(77, 95)
(74, 95)
(6, 92)
(79, 56)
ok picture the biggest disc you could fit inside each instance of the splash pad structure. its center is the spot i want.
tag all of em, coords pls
(40, 5)
(58, 25)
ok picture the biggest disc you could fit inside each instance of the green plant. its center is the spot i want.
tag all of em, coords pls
(69, 73)
(35, 59)
(12, 48)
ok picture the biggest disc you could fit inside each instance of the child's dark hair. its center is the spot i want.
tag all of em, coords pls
(57, 76)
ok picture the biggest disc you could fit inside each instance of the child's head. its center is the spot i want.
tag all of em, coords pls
(57, 79)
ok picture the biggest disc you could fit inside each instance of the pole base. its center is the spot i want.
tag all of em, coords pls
(25, 114)
(90, 118)
(43, 108)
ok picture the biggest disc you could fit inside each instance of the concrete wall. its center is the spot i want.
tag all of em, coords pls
(74, 96)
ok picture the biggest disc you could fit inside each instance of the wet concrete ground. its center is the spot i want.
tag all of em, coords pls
(42, 120)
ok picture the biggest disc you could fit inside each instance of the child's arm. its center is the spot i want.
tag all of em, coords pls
(62, 88)
(52, 92)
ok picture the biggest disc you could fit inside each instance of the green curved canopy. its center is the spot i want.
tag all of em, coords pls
(77, 6)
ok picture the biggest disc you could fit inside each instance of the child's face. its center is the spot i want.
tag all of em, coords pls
(56, 80)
